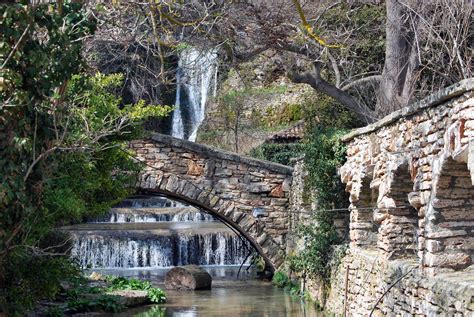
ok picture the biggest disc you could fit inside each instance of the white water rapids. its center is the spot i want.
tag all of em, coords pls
(155, 233)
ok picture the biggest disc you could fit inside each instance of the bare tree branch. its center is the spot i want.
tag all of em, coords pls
(362, 81)
(314, 80)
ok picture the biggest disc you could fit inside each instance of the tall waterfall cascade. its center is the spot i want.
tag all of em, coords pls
(155, 232)
(195, 77)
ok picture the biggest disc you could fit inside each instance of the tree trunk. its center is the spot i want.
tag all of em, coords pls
(188, 277)
(398, 76)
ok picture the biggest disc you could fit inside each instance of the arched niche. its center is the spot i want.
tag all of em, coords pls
(398, 232)
(363, 230)
(449, 237)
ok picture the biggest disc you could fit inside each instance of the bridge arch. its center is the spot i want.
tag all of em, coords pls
(226, 185)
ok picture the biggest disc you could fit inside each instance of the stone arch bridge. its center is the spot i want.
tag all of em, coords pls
(250, 195)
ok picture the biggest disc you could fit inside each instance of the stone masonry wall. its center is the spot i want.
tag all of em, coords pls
(250, 195)
(370, 276)
(411, 182)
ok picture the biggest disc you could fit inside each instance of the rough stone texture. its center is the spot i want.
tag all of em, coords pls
(188, 277)
(447, 294)
(416, 171)
(227, 185)
(130, 298)
(410, 177)
(300, 196)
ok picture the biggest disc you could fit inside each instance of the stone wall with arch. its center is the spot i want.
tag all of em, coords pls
(414, 171)
(419, 161)
(250, 195)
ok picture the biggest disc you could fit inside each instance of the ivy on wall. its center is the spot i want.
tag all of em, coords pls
(324, 153)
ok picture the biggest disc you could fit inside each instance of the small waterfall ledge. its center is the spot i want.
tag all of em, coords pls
(141, 214)
(99, 251)
(147, 232)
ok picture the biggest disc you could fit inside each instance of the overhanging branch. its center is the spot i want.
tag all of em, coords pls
(314, 80)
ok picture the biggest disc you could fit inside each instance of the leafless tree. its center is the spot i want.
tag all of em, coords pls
(426, 45)
(142, 40)
(424, 40)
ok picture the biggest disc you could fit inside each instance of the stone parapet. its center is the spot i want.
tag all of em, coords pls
(410, 177)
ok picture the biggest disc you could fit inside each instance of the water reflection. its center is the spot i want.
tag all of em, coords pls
(230, 296)
(251, 298)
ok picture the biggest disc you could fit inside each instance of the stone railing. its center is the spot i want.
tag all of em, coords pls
(411, 182)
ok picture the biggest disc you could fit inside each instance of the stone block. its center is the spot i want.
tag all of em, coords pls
(277, 191)
(259, 187)
(194, 169)
(456, 261)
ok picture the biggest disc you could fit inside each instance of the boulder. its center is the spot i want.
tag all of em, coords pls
(188, 277)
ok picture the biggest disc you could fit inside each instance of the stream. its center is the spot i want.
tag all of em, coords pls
(143, 237)
(230, 296)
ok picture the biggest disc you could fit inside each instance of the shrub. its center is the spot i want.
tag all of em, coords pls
(278, 153)
(280, 279)
(155, 294)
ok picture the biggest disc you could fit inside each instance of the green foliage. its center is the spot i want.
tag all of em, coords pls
(324, 154)
(235, 102)
(81, 297)
(48, 52)
(280, 279)
(278, 153)
(40, 276)
(121, 283)
(319, 239)
(108, 303)
(156, 295)
(281, 116)
(54, 311)
(323, 112)
(63, 140)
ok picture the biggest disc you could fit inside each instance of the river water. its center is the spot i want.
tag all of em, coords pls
(143, 237)
(230, 296)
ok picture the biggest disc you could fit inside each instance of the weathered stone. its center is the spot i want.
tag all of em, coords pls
(130, 298)
(277, 191)
(454, 261)
(436, 141)
(259, 187)
(194, 169)
(188, 277)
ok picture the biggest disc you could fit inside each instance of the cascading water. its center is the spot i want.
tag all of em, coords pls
(196, 69)
(149, 233)
(147, 214)
(99, 251)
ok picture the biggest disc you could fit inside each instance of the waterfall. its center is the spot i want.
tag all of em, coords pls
(196, 69)
(177, 125)
(123, 217)
(148, 232)
(140, 214)
(193, 216)
(98, 251)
